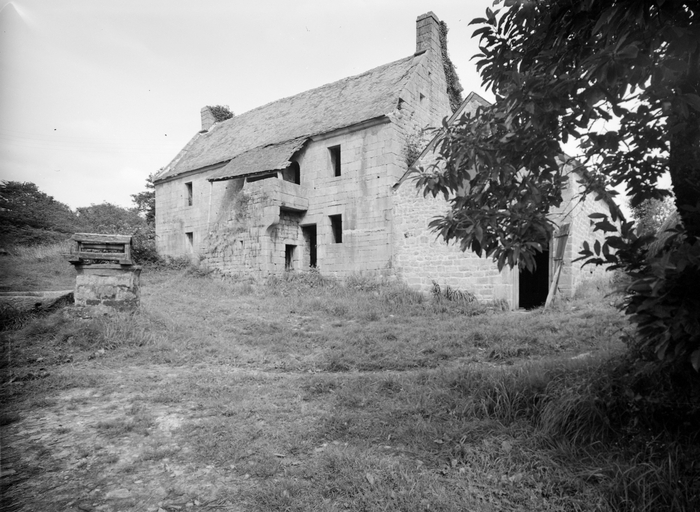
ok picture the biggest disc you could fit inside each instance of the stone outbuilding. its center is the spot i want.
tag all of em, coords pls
(315, 180)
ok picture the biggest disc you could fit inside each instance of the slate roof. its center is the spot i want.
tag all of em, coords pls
(274, 157)
(346, 102)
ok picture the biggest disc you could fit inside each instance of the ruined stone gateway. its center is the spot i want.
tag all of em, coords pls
(315, 180)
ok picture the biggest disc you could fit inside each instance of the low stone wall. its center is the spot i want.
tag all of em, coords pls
(36, 301)
(109, 285)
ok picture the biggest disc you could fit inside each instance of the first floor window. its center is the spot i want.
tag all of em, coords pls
(188, 193)
(337, 228)
(335, 159)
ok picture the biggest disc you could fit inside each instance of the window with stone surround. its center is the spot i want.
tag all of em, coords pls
(188, 193)
(337, 228)
(334, 152)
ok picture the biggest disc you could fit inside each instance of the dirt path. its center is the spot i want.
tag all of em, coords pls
(91, 450)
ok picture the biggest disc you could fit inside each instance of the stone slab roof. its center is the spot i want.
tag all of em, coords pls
(340, 104)
(273, 157)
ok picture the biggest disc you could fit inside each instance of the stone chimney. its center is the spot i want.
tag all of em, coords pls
(428, 33)
(208, 119)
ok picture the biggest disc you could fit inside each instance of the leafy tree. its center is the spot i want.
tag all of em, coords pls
(651, 214)
(112, 219)
(146, 201)
(221, 112)
(29, 216)
(621, 77)
(109, 218)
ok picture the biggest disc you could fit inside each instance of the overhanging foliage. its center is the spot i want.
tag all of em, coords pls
(621, 77)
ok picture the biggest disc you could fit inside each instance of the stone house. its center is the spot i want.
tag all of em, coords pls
(315, 180)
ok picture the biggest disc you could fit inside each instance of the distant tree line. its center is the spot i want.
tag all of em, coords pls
(29, 216)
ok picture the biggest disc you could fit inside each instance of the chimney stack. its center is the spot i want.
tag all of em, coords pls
(428, 33)
(208, 119)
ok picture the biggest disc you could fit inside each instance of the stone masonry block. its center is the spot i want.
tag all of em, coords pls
(109, 285)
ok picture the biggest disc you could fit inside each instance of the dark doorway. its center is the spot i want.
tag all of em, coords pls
(534, 286)
(289, 257)
(309, 233)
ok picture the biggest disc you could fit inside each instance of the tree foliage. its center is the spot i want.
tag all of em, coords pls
(651, 214)
(221, 112)
(146, 201)
(28, 216)
(620, 77)
(109, 218)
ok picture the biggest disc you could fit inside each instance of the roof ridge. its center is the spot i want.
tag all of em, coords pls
(321, 87)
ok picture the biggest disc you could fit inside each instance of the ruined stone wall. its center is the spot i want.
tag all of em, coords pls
(175, 217)
(421, 258)
(360, 195)
(423, 105)
(235, 240)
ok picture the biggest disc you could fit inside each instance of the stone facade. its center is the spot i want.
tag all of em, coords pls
(339, 204)
(253, 226)
(422, 258)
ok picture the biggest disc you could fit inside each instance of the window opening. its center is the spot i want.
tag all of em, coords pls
(292, 173)
(335, 159)
(289, 257)
(188, 193)
(337, 228)
(190, 240)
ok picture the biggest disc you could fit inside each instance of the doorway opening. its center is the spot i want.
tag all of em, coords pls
(289, 257)
(534, 286)
(309, 233)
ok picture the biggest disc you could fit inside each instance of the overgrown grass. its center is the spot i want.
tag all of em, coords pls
(36, 268)
(366, 395)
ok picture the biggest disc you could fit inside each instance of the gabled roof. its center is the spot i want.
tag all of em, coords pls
(347, 102)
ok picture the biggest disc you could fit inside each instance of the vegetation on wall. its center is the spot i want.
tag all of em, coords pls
(454, 88)
(221, 112)
(414, 144)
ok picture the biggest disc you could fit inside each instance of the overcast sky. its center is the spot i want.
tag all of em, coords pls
(95, 95)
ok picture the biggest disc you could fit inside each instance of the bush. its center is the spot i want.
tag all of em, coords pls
(144, 245)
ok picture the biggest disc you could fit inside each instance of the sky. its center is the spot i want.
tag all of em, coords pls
(95, 95)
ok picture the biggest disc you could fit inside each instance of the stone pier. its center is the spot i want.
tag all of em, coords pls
(108, 285)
